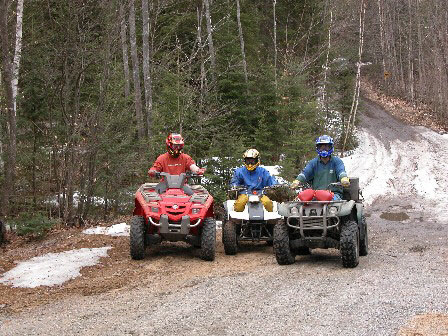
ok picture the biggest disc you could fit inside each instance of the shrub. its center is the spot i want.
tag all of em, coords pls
(34, 225)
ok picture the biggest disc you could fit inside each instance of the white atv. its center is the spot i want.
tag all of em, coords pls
(254, 224)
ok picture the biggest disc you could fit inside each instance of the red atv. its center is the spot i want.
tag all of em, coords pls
(174, 211)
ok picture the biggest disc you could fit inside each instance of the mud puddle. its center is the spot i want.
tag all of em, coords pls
(394, 216)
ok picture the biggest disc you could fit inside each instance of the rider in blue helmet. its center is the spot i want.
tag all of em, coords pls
(324, 169)
(324, 146)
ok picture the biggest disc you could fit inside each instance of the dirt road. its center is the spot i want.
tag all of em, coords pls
(401, 287)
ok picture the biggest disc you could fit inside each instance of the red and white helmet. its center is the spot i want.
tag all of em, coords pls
(174, 144)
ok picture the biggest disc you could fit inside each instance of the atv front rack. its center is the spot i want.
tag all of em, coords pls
(313, 215)
(166, 227)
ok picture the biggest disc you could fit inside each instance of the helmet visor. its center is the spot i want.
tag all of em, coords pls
(250, 161)
(177, 146)
(323, 147)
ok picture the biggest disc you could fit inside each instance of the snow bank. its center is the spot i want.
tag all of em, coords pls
(121, 229)
(403, 167)
(52, 268)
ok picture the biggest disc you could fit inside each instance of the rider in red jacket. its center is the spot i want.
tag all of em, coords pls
(174, 162)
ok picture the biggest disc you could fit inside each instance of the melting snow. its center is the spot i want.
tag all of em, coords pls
(121, 229)
(407, 167)
(52, 268)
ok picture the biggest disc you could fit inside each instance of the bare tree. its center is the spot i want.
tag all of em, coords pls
(136, 71)
(382, 42)
(240, 33)
(124, 48)
(324, 84)
(410, 55)
(200, 47)
(147, 67)
(355, 101)
(10, 78)
(17, 53)
(210, 37)
(274, 3)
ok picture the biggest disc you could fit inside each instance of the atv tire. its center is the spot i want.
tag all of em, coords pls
(349, 242)
(229, 238)
(282, 250)
(364, 243)
(137, 237)
(208, 239)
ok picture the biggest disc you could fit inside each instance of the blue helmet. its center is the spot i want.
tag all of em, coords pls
(324, 140)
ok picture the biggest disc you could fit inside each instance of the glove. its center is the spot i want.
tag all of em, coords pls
(345, 182)
(153, 173)
(201, 171)
(295, 184)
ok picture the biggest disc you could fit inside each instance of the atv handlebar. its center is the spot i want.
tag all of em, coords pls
(188, 174)
(335, 184)
(240, 188)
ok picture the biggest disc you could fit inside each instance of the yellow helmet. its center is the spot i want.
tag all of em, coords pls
(251, 159)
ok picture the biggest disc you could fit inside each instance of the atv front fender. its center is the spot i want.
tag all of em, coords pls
(283, 209)
(346, 208)
(359, 213)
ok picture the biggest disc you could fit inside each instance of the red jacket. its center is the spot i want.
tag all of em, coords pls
(171, 165)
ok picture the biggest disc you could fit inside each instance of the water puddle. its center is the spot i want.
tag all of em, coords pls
(394, 216)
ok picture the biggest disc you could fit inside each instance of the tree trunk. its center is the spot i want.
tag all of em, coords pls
(240, 33)
(7, 79)
(136, 72)
(382, 38)
(211, 48)
(124, 48)
(275, 42)
(203, 77)
(324, 84)
(356, 92)
(147, 67)
(421, 63)
(17, 53)
(410, 56)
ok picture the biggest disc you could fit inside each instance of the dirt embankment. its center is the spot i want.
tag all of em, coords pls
(420, 115)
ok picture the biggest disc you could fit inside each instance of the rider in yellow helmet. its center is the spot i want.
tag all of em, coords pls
(254, 178)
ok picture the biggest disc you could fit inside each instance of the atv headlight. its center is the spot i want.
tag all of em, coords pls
(155, 209)
(333, 211)
(195, 211)
(254, 198)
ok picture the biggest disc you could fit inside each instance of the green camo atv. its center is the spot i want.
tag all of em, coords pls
(316, 221)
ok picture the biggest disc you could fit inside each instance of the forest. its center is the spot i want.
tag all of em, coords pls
(90, 89)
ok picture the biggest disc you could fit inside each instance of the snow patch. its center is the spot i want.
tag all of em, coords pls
(275, 171)
(52, 268)
(404, 167)
(121, 229)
